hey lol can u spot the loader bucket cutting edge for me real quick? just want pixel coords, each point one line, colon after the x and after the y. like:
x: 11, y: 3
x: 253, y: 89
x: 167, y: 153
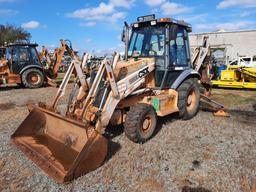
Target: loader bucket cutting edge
x: 63, y: 148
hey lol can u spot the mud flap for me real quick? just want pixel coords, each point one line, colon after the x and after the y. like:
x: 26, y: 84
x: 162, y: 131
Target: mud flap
x: 63, y: 148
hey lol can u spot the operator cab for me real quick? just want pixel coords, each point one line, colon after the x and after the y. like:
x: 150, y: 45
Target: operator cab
x: 164, y: 39
x: 21, y: 55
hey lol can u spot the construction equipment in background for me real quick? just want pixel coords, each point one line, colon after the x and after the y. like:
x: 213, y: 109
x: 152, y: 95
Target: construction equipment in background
x: 155, y: 79
x: 45, y: 57
x: 93, y: 63
x: 201, y: 62
x: 54, y: 63
x: 66, y: 60
x: 240, y: 73
x: 20, y: 64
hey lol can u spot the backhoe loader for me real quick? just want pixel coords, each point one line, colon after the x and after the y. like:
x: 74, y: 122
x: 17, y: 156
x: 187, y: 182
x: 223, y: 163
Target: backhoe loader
x: 154, y: 80
x: 21, y: 64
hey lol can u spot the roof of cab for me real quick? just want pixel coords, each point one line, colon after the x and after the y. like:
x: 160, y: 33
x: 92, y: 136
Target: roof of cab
x: 21, y: 44
x: 149, y: 18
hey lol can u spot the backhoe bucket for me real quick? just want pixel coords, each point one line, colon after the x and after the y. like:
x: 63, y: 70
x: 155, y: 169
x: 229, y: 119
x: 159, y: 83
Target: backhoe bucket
x: 64, y: 148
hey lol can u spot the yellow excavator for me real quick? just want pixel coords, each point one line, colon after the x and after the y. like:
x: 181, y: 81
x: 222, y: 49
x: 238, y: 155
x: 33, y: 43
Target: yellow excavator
x: 154, y: 80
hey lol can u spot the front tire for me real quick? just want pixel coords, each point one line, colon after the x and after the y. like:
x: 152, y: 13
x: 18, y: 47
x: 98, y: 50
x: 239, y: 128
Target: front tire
x: 140, y: 123
x: 32, y: 78
x: 188, y: 99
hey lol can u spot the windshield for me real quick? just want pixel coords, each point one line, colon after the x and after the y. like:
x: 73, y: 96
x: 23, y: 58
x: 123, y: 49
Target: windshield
x: 147, y: 41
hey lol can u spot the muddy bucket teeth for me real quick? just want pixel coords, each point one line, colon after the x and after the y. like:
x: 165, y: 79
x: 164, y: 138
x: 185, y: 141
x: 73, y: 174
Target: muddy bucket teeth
x: 63, y: 148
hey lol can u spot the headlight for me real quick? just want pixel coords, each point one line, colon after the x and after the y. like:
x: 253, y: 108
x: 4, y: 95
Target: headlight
x: 153, y: 22
x: 136, y: 25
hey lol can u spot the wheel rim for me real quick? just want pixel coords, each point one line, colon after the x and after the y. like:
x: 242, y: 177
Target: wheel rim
x: 191, y: 101
x: 33, y: 78
x: 146, y: 124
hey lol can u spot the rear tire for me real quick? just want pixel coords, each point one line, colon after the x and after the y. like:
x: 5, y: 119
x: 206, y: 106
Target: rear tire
x: 32, y: 78
x: 189, y: 97
x: 140, y: 123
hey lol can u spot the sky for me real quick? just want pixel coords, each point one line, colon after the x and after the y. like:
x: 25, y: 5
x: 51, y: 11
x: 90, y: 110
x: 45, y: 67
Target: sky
x: 96, y: 26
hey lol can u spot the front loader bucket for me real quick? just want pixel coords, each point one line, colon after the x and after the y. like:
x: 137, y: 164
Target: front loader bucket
x: 64, y: 148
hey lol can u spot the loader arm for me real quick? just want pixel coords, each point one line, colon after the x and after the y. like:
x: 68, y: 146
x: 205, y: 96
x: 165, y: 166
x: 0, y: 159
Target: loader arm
x: 120, y: 90
x: 75, y: 65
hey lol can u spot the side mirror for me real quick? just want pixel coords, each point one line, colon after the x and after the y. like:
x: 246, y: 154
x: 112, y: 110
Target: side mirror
x: 124, y: 33
x: 125, y: 38
x: 189, y: 29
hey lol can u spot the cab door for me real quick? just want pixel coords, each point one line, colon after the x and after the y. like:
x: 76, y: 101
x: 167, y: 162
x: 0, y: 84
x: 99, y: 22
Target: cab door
x: 179, y: 49
x: 177, y: 55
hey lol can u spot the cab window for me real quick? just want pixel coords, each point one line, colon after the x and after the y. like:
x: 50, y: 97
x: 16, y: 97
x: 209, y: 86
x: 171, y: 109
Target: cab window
x: 179, y: 49
x: 23, y: 55
x: 147, y: 42
x: 34, y: 56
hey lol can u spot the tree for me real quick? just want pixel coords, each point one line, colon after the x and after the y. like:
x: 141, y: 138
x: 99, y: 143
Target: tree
x: 10, y: 34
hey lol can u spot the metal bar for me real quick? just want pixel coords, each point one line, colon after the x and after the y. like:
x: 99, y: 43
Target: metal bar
x: 211, y: 101
x: 116, y: 57
x: 93, y: 88
x: 85, y: 59
x: 111, y: 79
x: 62, y: 88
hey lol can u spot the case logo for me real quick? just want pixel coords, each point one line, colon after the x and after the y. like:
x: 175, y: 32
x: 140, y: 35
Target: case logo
x: 143, y: 72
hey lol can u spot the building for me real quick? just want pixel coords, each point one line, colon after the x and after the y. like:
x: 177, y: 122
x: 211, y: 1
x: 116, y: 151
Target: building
x: 227, y: 46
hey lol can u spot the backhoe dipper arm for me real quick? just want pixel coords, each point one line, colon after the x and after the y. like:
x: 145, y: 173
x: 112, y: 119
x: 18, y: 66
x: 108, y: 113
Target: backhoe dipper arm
x: 58, y: 54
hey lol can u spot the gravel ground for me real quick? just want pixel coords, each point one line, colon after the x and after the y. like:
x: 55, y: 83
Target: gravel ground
x: 204, y: 154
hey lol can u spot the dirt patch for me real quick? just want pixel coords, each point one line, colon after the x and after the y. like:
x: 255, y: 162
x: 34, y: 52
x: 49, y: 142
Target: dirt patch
x: 254, y: 107
x: 204, y: 154
x: 231, y: 98
x: 245, y: 117
x: 2, y: 164
x: 196, y: 189
x: 151, y: 185
x: 6, y: 106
